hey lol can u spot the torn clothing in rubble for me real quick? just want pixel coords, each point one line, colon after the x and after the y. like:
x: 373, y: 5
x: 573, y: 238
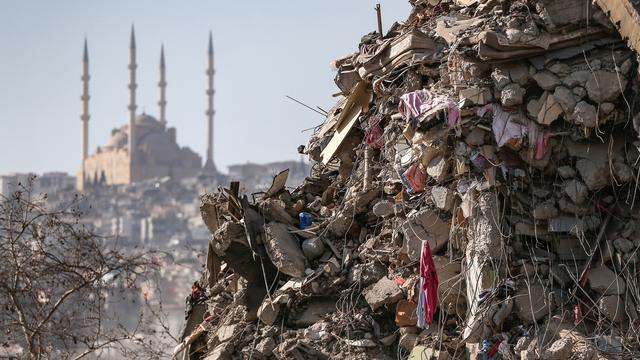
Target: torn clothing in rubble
x: 428, y: 295
x: 423, y: 105
x: 373, y: 133
x: 512, y: 127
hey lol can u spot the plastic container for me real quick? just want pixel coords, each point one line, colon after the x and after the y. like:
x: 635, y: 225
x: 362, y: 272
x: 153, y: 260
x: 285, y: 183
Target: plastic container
x: 305, y: 220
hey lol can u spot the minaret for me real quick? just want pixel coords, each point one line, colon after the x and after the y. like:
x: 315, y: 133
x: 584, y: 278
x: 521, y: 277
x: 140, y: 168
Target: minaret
x: 132, y: 104
x: 163, y: 87
x: 209, y: 165
x: 85, y: 114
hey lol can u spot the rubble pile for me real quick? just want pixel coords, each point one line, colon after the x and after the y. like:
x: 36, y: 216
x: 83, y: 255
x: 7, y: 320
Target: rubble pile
x: 474, y: 196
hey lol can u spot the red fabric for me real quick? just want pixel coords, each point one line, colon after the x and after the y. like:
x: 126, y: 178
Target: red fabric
x: 429, y: 283
x: 493, y: 350
x: 577, y: 314
x: 416, y: 177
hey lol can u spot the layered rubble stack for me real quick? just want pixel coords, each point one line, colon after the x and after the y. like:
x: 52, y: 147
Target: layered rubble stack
x: 474, y: 196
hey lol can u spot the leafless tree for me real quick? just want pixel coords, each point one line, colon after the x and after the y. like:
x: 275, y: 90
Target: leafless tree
x: 57, y: 280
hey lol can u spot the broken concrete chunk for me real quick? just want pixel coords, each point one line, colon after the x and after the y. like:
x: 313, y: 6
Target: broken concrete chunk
x: 367, y: 274
x: 550, y: 109
x: 284, y: 250
x: 313, y: 248
x: 581, y: 76
x: 587, y: 223
x: 560, y: 275
x: 451, y: 291
x: 365, y: 343
x: 605, y: 281
x: 227, y: 233
x: 312, y: 310
x: 569, y: 248
x: 227, y: 332
x: 275, y: 210
x: 566, y: 172
x: 477, y: 96
x: 500, y: 78
x: 585, y: 114
x: 579, y: 91
x: 383, y: 208
x: 623, y: 245
x: 565, y: 98
x: 569, y: 82
x: 560, y: 69
x: 318, y: 331
x: 559, y: 350
x: 546, y: 80
x: 266, y: 346
x: 221, y: 352
x: 595, y: 175
x: 512, y: 95
x: 364, y: 198
x: 438, y: 168
x: 424, y: 225
x: 528, y: 355
x: 609, y: 344
x: 385, y: 291
x: 605, y: 86
x: 342, y: 220
x: 533, y: 108
x: 607, y: 108
x: 612, y: 307
x: 475, y: 137
x: 533, y: 303
x: 623, y: 172
x: 545, y: 210
x: 522, y: 344
x: 504, y: 310
x: 408, y: 341
x: 268, y: 312
x: 425, y: 353
x: 526, y: 229
x: 576, y: 191
x: 519, y: 73
x: 442, y: 197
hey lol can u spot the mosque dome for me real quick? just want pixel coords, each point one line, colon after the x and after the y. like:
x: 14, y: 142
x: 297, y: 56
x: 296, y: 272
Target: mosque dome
x: 118, y: 139
x: 148, y: 122
x: 159, y: 145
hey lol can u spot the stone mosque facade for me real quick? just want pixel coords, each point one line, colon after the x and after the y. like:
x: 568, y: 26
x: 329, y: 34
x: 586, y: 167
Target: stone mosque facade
x: 155, y: 150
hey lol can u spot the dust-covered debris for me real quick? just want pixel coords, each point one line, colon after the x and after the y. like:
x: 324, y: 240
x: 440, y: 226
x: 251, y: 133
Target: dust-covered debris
x: 474, y: 196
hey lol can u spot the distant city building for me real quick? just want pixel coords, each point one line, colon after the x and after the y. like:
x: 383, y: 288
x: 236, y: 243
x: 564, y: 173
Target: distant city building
x: 145, y: 148
x: 47, y: 183
x: 10, y: 183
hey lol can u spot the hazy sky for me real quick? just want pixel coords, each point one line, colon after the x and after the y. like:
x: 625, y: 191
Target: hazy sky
x: 264, y: 50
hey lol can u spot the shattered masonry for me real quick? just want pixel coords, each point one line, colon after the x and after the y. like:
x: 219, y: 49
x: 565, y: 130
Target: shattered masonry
x: 474, y: 196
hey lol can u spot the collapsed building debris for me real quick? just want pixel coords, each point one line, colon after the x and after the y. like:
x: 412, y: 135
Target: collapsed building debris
x: 474, y: 196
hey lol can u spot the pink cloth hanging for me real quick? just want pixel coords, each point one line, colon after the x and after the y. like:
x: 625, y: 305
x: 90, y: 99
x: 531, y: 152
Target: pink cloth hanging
x: 429, y: 282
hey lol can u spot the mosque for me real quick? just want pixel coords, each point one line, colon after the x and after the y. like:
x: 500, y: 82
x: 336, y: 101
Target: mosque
x: 145, y: 147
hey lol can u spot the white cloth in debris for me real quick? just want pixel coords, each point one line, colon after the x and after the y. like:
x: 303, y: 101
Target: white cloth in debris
x: 510, y: 125
x: 422, y: 322
x: 420, y: 309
